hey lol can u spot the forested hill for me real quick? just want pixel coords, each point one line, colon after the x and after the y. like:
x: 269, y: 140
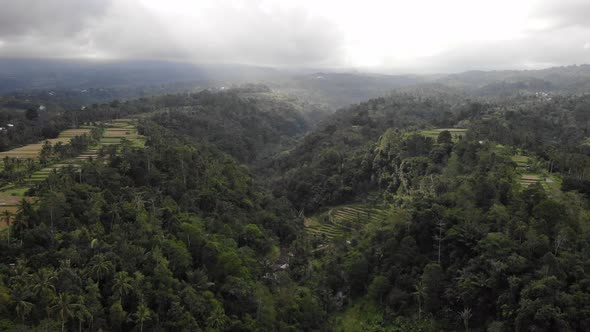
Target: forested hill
x: 411, y: 212
x: 417, y: 229
x: 329, y: 165
x: 172, y: 236
x: 333, y: 163
x: 249, y: 123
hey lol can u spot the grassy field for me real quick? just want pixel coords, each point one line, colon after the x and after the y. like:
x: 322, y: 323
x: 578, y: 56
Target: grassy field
x: 342, y: 220
x: 455, y: 133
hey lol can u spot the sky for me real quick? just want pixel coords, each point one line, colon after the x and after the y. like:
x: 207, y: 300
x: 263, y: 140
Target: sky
x: 392, y: 36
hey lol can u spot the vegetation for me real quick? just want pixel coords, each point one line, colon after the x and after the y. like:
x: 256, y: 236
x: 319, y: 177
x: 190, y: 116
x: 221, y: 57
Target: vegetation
x: 231, y: 211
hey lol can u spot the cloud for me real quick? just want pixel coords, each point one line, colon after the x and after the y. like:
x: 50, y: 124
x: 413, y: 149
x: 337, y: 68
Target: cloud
x: 392, y: 35
x: 223, y: 33
x: 48, y: 19
x: 555, y: 34
x: 565, y: 46
x: 562, y: 13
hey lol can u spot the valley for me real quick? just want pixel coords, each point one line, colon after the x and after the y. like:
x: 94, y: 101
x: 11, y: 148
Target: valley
x: 385, y: 215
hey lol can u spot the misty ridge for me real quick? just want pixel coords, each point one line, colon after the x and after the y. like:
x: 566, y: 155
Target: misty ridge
x: 334, y: 88
x: 294, y: 165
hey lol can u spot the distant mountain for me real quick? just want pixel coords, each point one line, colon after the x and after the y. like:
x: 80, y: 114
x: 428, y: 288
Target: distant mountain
x: 341, y: 89
x: 128, y: 79
x: 568, y: 80
x: 29, y: 74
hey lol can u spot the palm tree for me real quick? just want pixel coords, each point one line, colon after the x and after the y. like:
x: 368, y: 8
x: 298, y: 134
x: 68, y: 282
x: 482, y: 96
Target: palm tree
x: 62, y: 304
x: 82, y: 313
x: 142, y: 314
x: 101, y: 268
x: 125, y: 167
x: 465, y: 316
x: 217, y: 320
x: 122, y: 284
x: 24, y: 214
x: 43, y: 283
x: 22, y: 277
x: 23, y: 309
x: 7, y: 216
x: 138, y: 201
x: 420, y: 293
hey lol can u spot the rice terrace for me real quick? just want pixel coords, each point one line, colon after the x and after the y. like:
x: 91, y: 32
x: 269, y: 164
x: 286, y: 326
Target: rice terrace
x: 342, y: 220
x: 111, y: 133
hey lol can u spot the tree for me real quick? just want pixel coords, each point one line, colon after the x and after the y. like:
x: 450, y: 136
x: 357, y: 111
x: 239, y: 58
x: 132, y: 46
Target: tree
x: 117, y: 314
x: 378, y: 288
x: 53, y: 203
x: 7, y: 217
x: 31, y: 114
x: 444, y: 137
x: 43, y: 283
x: 465, y: 315
x: 23, y: 309
x: 46, y: 152
x: 122, y: 284
x: 142, y: 315
x: 25, y: 215
x: 217, y: 319
x: 101, y: 267
x: 63, y: 306
x: 420, y: 293
x: 91, y: 301
x: 81, y: 312
x: 432, y: 279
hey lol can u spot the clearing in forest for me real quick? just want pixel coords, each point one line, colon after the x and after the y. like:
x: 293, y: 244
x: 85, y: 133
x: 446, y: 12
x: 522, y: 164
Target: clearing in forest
x: 456, y: 133
x: 342, y: 220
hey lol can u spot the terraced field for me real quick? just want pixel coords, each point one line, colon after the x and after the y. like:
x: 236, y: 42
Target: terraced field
x: 531, y: 173
x: 115, y: 132
x: 31, y: 151
x: 120, y: 129
x: 342, y: 220
x: 529, y: 179
x: 456, y: 133
x: 522, y: 162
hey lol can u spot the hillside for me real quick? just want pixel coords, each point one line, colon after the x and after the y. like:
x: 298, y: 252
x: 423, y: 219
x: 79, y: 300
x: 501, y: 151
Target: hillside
x: 234, y: 210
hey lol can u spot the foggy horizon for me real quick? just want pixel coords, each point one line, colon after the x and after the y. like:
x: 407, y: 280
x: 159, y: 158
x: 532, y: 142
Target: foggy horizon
x: 400, y: 37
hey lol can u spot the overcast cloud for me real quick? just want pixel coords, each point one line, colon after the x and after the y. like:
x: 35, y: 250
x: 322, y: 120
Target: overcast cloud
x: 393, y: 36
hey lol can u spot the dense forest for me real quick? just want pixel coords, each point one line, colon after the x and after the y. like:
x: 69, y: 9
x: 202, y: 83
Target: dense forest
x: 205, y: 228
